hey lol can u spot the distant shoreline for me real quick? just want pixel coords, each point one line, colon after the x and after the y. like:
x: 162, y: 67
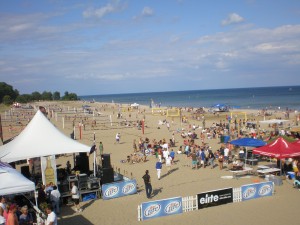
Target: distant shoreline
x: 270, y: 98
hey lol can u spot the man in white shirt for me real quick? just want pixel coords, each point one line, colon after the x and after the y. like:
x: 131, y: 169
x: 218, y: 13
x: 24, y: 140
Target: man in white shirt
x: 168, y: 163
x: 55, y: 199
x: 118, y: 136
x: 51, y: 218
x: 226, y: 155
x: 75, y: 197
x: 166, y: 153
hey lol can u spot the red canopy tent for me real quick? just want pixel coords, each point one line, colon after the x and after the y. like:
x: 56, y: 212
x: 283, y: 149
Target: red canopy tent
x: 297, y: 143
x: 279, y: 149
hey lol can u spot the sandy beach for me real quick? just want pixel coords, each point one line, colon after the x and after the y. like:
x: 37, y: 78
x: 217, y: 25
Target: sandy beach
x: 281, y: 208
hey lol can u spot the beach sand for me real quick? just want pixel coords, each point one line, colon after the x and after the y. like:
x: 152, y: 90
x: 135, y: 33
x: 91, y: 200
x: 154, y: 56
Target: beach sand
x: 281, y: 208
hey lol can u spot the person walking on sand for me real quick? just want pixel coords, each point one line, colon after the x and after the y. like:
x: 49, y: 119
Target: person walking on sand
x: 147, y: 181
x: 158, y: 167
x: 118, y: 136
x: 168, y: 163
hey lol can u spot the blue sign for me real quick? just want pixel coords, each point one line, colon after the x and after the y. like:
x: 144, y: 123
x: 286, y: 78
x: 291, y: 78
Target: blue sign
x: 160, y: 208
x: 118, y: 189
x: 257, y: 190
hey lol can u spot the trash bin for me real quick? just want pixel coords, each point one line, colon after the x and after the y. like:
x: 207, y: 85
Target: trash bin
x: 226, y: 139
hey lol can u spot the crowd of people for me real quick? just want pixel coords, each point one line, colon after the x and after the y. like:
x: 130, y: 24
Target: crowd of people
x: 14, y: 213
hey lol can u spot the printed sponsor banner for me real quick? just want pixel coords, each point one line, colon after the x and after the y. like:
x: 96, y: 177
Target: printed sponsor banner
x: 214, y: 198
x: 118, y: 189
x: 160, y: 208
x: 48, y: 167
x: 257, y: 190
x: 1, y: 131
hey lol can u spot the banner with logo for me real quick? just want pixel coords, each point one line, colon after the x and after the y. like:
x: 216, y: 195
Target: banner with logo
x: 1, y: 132
x: 160, y: 208
x: 118, y: 189
x: 48, y: 167
x: 214, y: 198
x: 257, y: 190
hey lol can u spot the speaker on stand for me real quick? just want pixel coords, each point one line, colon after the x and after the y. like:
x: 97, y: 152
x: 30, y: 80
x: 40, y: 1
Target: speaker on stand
x: 82, y: 163
x: 25, y: 171
x: 105, y: 158
x: 107, y: 175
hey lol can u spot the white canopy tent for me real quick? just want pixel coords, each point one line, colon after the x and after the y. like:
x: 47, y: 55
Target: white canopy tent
x: 13, y: 182
x: 39, y: 138
x: 135, y: 105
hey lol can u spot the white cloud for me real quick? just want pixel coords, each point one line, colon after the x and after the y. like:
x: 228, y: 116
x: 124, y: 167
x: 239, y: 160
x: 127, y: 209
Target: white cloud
x: 147, y: 11
x: 32, y: 48
x: 232, y: 19
x: 103, y: 11
x: 100, y: 12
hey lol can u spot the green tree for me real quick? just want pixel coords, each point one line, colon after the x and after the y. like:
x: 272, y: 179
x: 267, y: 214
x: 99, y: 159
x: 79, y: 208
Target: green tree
x: 7, y: 100
x: 47, y: 96
x: 70, y: 97
x: 36, y: 96
x: 6, y: 89
x: 28, y: 97
x: 56, y: 96
x: 21, y: 99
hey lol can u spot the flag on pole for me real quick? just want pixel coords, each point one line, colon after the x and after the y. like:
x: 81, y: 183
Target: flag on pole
x: 93, y: 148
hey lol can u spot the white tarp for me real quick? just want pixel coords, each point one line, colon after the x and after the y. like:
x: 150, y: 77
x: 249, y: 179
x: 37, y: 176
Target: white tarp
x: 13, y: 182
x: 135, y: 105
x: 273, y: 121
x: 39, y: 138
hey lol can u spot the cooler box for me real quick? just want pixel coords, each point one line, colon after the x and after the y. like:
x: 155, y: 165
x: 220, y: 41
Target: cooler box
x: 89, y: 196
x: 277, y: 180
x: 291, y: 175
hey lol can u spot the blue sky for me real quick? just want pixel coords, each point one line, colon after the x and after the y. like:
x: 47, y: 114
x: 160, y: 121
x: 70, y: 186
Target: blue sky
x: 128, y: 46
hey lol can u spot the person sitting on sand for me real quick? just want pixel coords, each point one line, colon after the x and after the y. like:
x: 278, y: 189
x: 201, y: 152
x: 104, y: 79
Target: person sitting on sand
x: 183, y: 134
x: 237, y: 165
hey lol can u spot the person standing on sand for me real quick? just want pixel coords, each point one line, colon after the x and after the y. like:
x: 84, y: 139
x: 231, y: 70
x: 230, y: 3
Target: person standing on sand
x: 221, y: 159
x: 101, y: 148
x: 211, y: 158
x: 134, y: 146
x: 75, y: 197
x: 148, y: 186
x: 193, y: 156
x: 168, y: 163
x: 158, y: 167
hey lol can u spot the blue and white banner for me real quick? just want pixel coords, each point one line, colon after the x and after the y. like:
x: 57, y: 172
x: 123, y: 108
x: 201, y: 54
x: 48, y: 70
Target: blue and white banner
x: 160, y: 208
x: 258, y: 190
x: 118, y: 189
